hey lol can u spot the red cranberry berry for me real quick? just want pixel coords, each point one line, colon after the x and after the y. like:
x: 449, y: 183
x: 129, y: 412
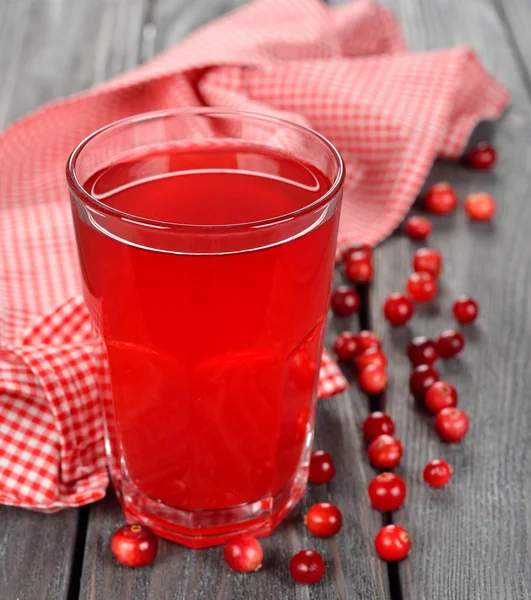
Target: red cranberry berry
x: 482, y: 157
x: 373, y: 380
x: 392, y: 543
x: 134, y: 545
x: 421, y: 379
x: 345, y: 301
x: 428, y: 260
x: 440, y: 395
x: 323, y: 520
x: 358, y: 252
x: 441, y: 199
x: 418, y: 228
x: 322, y: 468
x: 398, y: 309
x: 451, y: 424
x: 243, y: 554
x: 377, y: 423
x: 387, y: 492
x: 465, y: 310
x: 359, y: 271
x: 307, y: 567
x: 480, y: 206
x: 422, y: 351
x: 368, y: 339
x: 421, y: 286
x: 385, y: 452
x: 372, y: 356
x: 450, y: 343
x: 437, y: 473
x: 346, y: 346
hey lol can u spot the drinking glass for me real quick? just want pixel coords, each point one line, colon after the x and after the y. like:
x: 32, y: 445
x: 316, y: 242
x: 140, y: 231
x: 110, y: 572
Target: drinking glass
x: 206, y: 240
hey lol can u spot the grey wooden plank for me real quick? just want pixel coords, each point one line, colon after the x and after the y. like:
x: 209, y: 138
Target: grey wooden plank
x: 178, y: 573
x: 174, y: 19
x: 516, y: 15
x: 53, y: 48
x: 470, y: 540
x: 36, y: 553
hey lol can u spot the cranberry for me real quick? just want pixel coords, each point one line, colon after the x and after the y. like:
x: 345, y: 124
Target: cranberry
x: 437, y: 473
x: 422, y: 351
x: 323, y: 520
x: 385, y: 452
x: 440, y: 395
x: 482, y: 157
x: 358, y: 252
x: 134, y: 545
x: 373, y: 380
x: 428, y: 260
x: 451, y: 424
x: 421, y: 379
x: 465, y: 310
x: 307, y: 566
x: 422, y: 286
x: 377, y: 423
x: 387, y: 492
x: 359, y: 271
x: 480, y: 206
x: 398, y: 309
x: 345, y: 301
x: 450, y: 343
x: 372, y: 356
x: 392, y: 543
x: 418, y: 228
x: 368, y: 339
x: 322, y: 468
x: 243, y: 554
x: 441, y: 199
x: 346, y: 346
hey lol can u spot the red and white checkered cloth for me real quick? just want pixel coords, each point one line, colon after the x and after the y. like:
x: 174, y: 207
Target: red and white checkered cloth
x: 344, y: 71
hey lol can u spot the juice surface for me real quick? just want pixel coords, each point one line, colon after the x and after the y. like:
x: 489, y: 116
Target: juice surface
x: 214, y: 357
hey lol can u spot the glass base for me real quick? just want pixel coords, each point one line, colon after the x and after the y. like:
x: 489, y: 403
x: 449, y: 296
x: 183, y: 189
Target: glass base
x: 204, y: 528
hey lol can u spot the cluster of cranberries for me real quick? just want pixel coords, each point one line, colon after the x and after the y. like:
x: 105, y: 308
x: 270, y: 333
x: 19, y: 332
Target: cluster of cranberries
x: 363, y: 350
x: 136, y: 545
x: 244, y: 553
x: 387, y: 491
x: 441, y: 199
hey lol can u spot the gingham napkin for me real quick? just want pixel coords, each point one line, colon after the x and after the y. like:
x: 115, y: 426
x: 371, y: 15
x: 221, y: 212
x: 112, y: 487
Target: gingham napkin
x: 344, y: 71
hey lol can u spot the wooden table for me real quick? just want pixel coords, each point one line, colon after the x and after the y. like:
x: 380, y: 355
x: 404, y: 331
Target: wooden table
x: 471, y: 541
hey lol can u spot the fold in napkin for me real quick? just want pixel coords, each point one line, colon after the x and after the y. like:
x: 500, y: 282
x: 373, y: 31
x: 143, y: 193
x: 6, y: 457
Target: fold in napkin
x: 344, y: 71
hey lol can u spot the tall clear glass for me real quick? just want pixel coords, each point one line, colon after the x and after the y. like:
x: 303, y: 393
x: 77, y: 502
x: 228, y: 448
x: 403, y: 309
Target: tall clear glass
x: 206, y: 240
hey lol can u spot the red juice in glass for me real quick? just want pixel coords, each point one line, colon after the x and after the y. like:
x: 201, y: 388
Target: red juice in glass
x: 207, y: 244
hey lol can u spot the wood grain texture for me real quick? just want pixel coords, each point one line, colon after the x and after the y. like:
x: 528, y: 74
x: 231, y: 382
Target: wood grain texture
x: 470, y: 540
x: 175, y: 19
x: 35, y: 553
x: 516, y: 16
x: 53, y: 48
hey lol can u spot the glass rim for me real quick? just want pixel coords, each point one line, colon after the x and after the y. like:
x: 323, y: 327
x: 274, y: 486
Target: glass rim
x: 77, y: 188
